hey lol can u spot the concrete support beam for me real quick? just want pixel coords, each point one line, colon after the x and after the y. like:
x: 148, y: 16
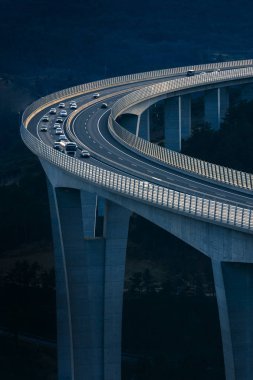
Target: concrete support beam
x: 212, y: 108
x: 64, y: 332
x: 185, y: 116
x: 216, y: 106
x: 143, y: 125
x: 115, y: 234
x: 90, y: 278
x: 224, y: 102
x: 89, y: 210
x: 234, y: 290
x: 89, y: 284
x: 172, y: 120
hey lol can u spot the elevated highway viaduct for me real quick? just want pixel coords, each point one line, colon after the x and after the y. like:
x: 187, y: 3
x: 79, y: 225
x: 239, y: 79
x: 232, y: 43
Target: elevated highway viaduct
x: 208, y: 206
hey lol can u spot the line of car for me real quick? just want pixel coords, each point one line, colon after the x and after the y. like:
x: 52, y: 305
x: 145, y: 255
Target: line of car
x: 62, y: 144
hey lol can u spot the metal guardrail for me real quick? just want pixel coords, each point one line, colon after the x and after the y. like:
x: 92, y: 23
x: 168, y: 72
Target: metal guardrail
x: 187, y: 204
x: 180, y: 161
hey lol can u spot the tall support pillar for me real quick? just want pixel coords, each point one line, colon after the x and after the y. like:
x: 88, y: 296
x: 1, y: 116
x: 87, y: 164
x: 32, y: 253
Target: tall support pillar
x: 212, y: 108
x: 89, y: 208
x: 186, y: 116
x: 216, y: 106
x: 143, y: 125
x: 224, y: 102
x: 116, y: 233
x: 234, y: 291
x: 64, y: 332
x: 172, y: 120
x: 89, y: 284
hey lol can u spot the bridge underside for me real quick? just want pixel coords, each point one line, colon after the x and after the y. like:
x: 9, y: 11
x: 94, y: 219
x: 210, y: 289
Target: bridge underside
x: 90, y: 277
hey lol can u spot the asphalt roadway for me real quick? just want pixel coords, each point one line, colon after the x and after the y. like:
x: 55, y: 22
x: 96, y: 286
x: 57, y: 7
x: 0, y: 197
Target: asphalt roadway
x: 89, y: 128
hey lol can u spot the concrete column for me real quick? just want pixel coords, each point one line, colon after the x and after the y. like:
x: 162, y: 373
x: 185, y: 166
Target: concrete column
x: 143, y: 125
x: 89, y: 284
x: 89, y: 208
x: 212, y: 108
x: 186, y: 116
x: 224, y: 102
x: 234, y: 290
x: 64, y: 331
x: 216, y: 106
x: 115, y: 233
x: 172, y: 120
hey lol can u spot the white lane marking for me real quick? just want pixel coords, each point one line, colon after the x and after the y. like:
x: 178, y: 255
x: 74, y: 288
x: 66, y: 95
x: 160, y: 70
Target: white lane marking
x: 176, y: 175
x: 184, y: 188
x: 157, y: 179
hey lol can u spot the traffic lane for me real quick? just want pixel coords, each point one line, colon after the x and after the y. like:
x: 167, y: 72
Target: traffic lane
x: 109, y: 91
x: 217, y: 188
x: 92, y: 140
x: 82, y: 99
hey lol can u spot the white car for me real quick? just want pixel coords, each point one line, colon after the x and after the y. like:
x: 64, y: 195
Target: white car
x: 45, y: 118
x: 43, y: 129
x: 63, y: 113
x: 59, y: 120
x: 72, y: 102
x: 61, y: 105
x: 190, y: 73
x: 52, y: 111
x: 73, y: 106
x: 85, y: 153
x: 59, y: 131
x: 96, y: 95
x: 57, y: 125
x: 63, y: 138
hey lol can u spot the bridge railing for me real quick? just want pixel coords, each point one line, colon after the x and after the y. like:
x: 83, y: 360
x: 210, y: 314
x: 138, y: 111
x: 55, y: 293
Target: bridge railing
x: 97, y: 85
x: 192, y: 165
x: 187, y: 204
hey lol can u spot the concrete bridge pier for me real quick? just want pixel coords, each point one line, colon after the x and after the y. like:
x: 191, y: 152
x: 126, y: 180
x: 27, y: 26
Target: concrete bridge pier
x: 224, y: 102
x: 186, y: 116
x: 234, y: 291
x: 89, y: 285
x: 216, y: 106
x: 177, y: 119
x: 143, y: 125
x: 172, y: 121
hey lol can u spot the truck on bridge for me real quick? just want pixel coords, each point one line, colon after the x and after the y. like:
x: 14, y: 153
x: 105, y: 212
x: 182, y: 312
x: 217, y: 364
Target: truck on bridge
x: 67, y: 147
